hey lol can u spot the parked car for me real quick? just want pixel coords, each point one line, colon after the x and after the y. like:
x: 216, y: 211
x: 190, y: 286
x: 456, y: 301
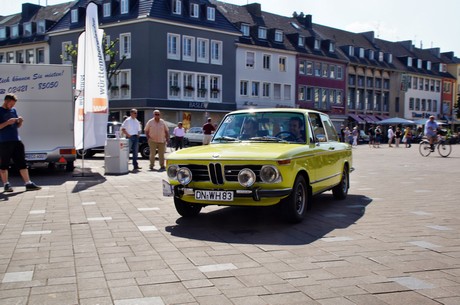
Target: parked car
x: 112, y: 128
x: 276, y: 164
x: 194, y: 136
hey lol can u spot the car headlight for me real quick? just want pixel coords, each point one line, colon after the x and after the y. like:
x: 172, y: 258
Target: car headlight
x: 184, y: 175
x: 246, y: 177
x: 172, y: 172
x: 269, y: 174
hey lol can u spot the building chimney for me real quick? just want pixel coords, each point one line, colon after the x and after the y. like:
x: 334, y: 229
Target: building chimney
x: 254, y: 9
x: 29, y: 10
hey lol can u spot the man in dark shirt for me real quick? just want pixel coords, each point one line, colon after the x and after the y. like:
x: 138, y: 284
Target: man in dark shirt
x: 11, y: 146
x: 208, y: 129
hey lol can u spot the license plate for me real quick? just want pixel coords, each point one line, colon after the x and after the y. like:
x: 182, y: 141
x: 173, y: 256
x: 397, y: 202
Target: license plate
x: 214, y: 195
x: 31, y: 157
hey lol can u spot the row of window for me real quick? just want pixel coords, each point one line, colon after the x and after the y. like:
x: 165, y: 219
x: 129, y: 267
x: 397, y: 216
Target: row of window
x: 322, y: 97
x: 320, y: 69
x: 27, y: 29
x: 107, y: 10
x: 426, y: 84
x: 369, y: 82
x: 194, y: 86
x: 266, y: 62
x: 423, y: 104
x: 121, y: 85
x: 189, y: 48
x: 28, y: 56
x: 360, y: 99
x: 267, y: 90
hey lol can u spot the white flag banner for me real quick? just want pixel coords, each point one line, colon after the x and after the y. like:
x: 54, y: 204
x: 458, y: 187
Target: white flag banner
x: 91, y: 107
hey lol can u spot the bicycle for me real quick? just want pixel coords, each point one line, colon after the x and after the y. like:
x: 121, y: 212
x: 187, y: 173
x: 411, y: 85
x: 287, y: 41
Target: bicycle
x: 442, y: 145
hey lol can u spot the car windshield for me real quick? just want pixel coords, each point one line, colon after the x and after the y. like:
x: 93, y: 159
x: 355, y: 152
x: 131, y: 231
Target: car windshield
x: 262, y: 127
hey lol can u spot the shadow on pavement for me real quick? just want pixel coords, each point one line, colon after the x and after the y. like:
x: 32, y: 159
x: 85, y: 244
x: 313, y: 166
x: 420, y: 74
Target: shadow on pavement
x: 263, y: 225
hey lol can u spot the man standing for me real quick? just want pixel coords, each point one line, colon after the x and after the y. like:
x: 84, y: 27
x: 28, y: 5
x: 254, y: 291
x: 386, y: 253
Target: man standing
x: 11, y: 146
x: 390, y: 135
x: 131, y: 128
x: 431, y: 131
x: 208, y: 129
x: 157, y: 135
x: 179, y: 133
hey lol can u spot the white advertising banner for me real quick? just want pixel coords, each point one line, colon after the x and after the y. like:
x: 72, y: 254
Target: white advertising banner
x: 91, y: 106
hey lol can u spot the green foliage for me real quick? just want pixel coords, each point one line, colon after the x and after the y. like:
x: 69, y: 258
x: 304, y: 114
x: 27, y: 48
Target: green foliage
x: 110, y: 52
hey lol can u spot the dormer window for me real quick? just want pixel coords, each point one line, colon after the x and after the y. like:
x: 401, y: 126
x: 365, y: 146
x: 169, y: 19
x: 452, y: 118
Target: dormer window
x: 41, y: 27
x: 301, y: 41
x: 317, y: 44
x: 15, y: 31
x: 211, y: 13
x: 331, y: 47
x: 419, y: 63
x: 177, y: 7
x: 442, y: 67
x: 370, y: 54
x: 2, y: 33
x: 74, y: 15
x: 361, y: 52
x: 124, y: 6
x: 351, y: 50
x: 380, y: 56
x: 409, y: 61
x: 389, y: 58
x: 245, y: 29
x: 27, y: 31
x: 279, y: 36
x: 107, y: 9
x: 194, y: 10
x: 428, y: 65
x: 262, y: 34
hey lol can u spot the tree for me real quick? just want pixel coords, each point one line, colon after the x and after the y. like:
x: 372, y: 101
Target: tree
x: 110, y: 52
x: 456, y: 109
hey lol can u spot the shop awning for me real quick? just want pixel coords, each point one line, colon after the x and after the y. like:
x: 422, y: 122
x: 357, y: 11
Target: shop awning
x: 367, y: 119
x: 373, y: 117
x: 357, y: 118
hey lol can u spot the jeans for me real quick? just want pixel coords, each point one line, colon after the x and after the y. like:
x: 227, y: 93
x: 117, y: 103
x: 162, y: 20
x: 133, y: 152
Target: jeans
x: 134, y: 148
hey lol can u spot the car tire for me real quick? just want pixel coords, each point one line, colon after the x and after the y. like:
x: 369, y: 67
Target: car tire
x: 145, y: 151
x: 186, y: 209
x: 340, y: 191
x: 294, y: 207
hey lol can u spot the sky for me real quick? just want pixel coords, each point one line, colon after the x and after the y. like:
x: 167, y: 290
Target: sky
x: 427, y: 23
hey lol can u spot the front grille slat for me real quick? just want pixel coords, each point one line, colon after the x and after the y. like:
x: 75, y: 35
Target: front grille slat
x: 218, y: 174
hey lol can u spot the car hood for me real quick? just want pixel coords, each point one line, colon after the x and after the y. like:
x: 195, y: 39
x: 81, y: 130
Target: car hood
x: 239, y: 151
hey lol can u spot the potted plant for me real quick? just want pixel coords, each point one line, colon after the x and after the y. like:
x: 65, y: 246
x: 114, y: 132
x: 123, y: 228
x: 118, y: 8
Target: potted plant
x: 174, y: 88
x: 114, y: 88
x: 215, y: 90
x: 202, y: 90
x: 125, y: 86
x: 189, y: 88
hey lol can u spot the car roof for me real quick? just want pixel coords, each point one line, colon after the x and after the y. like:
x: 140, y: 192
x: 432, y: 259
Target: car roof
x: 293, y: 110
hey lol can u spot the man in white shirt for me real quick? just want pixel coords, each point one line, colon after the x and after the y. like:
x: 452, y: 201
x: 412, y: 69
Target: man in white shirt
x: 131, y: 128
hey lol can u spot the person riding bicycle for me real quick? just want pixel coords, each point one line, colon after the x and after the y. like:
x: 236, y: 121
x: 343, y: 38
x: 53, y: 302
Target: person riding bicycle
x: 431, y: 131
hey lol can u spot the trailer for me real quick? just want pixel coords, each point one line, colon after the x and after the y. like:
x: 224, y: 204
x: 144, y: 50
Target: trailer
x: 45, y: 101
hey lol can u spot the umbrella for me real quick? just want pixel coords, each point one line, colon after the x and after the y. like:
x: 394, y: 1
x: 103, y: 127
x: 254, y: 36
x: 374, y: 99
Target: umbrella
x: 396, y: 121
x: 423, y: 121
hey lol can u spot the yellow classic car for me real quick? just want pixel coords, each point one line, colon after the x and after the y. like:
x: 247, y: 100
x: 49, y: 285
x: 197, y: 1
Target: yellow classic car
x: 259, y: 158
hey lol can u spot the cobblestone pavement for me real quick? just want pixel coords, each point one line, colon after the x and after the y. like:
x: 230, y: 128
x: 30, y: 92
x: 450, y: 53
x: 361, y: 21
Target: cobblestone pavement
x: 101, y: 239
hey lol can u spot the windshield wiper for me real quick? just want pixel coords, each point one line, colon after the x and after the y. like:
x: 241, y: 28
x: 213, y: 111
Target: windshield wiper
x: 267, y: 139
x: 225, y: 138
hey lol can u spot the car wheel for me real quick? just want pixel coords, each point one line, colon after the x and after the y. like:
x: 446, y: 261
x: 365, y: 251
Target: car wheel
x: 340, y: 191
x: 87, y: 153
x: 186, y: 209
x: 294, y: 206
x: 145, y: 151
x: 69, y: 167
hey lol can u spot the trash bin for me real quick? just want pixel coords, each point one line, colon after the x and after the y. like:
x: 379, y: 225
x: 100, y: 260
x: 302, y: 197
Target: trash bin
x: 116, y: 156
